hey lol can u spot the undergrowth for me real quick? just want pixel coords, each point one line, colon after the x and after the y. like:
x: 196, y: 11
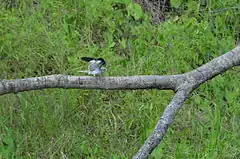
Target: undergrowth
x: 48, y: 37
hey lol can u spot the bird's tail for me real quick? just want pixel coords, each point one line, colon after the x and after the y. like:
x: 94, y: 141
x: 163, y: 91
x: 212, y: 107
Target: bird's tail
x: 83, y: 71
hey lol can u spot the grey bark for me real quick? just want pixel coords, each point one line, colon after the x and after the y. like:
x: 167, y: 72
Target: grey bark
x: 181, y: 84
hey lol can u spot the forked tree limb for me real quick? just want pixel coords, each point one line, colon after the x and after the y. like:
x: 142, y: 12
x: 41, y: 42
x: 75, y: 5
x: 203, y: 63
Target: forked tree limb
x: 181, y: 84
x: 192, y: 80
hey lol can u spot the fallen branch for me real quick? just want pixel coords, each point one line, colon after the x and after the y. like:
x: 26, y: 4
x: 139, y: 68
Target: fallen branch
x: 192, y: 80
x: 90, y: 82
x: 182, y: 85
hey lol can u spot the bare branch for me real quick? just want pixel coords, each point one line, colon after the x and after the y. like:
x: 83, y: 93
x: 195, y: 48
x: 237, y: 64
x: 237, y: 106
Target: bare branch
x: 172, y: 82
x: 182, y: 84
x: 90, y: 82
x: 192, y: 80
x: 215, y: 67
x: 162, y: 125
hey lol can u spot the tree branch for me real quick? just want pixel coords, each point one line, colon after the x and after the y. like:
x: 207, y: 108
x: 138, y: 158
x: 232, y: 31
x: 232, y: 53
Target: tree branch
x: 162, y: 125
x: 192, y: 80
x: 182, y: 84
x: 89, y: 82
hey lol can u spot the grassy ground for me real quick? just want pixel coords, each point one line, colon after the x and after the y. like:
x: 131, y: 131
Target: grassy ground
x: 49, y: 38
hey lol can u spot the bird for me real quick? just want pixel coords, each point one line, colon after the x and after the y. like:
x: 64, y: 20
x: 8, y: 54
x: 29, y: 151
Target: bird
x: 95, y: 66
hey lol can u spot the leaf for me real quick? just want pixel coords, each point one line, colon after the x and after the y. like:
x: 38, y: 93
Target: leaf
x: 134, y: 10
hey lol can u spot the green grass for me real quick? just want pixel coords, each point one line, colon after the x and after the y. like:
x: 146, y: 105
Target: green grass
x: 49, y: 38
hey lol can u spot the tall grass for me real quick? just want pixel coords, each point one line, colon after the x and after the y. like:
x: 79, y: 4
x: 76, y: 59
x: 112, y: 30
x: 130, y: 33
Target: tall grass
x: 49, y: 37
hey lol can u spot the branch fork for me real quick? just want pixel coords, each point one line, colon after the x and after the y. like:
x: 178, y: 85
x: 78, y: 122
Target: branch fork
x: 181, y: 84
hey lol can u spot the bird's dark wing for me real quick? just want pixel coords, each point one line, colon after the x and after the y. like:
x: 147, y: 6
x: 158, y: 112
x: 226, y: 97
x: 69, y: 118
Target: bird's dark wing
x: 87, y: 59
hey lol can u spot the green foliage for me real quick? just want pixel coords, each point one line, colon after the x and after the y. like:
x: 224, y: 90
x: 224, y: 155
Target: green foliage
x: 49, y: 37
x: 6, y: 144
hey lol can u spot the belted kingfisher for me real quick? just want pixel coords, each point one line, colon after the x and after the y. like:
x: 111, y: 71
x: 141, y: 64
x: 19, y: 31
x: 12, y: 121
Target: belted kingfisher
x: 95, y: 66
